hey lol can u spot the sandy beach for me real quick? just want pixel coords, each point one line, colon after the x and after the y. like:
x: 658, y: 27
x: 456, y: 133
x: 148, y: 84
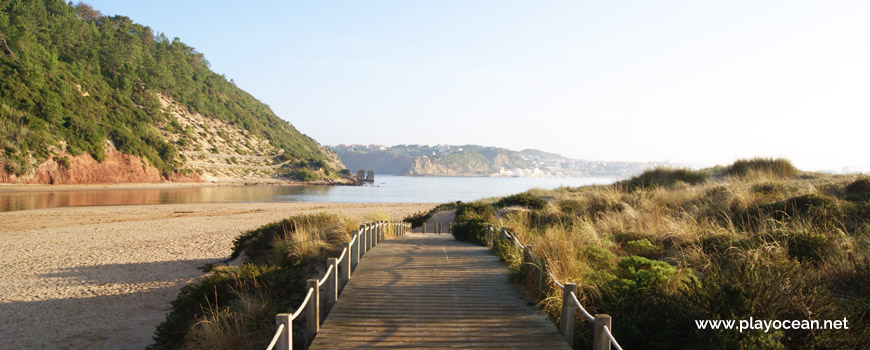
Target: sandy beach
x: 103, y: 277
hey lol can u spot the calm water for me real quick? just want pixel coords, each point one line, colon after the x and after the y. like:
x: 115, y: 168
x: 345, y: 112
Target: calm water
x: 386, y: 189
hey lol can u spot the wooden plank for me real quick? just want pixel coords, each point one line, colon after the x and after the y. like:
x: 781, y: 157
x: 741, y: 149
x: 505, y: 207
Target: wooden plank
x: 432, y: 292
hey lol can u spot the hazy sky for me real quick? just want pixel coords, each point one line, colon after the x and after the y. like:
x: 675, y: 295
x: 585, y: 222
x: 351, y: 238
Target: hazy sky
x: 687, y: 81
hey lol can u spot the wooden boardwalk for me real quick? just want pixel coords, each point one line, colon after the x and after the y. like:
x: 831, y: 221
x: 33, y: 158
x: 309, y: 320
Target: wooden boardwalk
x: 432, y: 292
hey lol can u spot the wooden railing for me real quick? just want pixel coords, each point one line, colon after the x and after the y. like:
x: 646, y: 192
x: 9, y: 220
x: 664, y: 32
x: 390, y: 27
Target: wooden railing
x: 602, y: 338
x: 338, y: 273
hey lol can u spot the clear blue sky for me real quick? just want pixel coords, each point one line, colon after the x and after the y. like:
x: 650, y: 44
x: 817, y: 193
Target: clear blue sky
x: 702, y: 82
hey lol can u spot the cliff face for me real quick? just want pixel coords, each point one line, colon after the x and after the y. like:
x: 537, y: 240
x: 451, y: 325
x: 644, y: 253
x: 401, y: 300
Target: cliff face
x: 65, y: 169
x: 450, y: 166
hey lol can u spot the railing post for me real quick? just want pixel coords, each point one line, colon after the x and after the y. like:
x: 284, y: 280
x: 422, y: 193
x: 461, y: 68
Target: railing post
x: 373, y: 238
x: 346, y: 265
x: 362, y: 240
x: 568, y: 312
x: 285, y: 340
x: 600, y: 341
x: 450, y: 228
x: 332, y: 282
x: 357, y: 245
x: 369, y: 229
x: 365, y: 235
x: 312, y: 314
x: 424, y: 228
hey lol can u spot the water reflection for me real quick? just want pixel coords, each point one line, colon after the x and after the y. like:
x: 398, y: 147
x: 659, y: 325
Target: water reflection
x: 387, y: 189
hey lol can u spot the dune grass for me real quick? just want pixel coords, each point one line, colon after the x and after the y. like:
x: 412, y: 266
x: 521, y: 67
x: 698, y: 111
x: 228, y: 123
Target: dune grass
x: 656, y: 252
x: 235, y: 307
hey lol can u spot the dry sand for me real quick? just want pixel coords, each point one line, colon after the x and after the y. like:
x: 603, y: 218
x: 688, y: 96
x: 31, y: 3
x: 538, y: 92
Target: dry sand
x: 103, y: 277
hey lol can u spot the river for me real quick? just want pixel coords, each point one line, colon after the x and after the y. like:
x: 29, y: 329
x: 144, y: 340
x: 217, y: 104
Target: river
x: 385, y: 189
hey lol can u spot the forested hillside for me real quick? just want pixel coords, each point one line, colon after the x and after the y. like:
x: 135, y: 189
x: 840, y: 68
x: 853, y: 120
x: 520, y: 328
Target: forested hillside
x: 74, y: 82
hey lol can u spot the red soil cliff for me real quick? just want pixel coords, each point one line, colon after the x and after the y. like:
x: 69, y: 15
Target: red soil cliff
x: 84, y: 169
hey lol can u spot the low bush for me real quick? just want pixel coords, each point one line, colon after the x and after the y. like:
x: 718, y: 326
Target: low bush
x: 525, y: 199
x: 472, y: 220
x: 63, y: 162
x: 858, y: 190
x: 663, y: 177
x: 303, y: 174
x: 642, y: 247
x: 774, y: 167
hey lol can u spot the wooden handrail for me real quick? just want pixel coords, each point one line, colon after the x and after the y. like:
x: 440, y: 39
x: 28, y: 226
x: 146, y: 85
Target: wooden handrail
x: 339, y: 272
x: 602, y: 337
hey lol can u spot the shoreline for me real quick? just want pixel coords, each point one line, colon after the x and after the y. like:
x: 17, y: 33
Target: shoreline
x: 168, y: 185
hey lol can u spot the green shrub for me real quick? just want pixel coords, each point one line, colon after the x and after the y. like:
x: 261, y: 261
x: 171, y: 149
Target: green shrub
x: 663, y: 177
x: 806, y: 246
x: 472, y: 220
x: 303, y: 174
x: 778, y: 167
x: 525, y: 199
x: 642, y: 247
x: 643, y: 272
x: 63, y: 162
x: 597, y: 257
x: 471, y: 230
x: 768, y: 188
x: 625, y: 237
x: 858, y: 190
x: 475, y: 209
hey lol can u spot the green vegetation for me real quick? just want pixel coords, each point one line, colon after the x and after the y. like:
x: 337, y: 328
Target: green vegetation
x: 656, y: 252
x: 417, y: 219
x: 235, y: 307
x: 664, y: 177
x: 526, y: 200
x: 774, y: 167
x: 77, y: 78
